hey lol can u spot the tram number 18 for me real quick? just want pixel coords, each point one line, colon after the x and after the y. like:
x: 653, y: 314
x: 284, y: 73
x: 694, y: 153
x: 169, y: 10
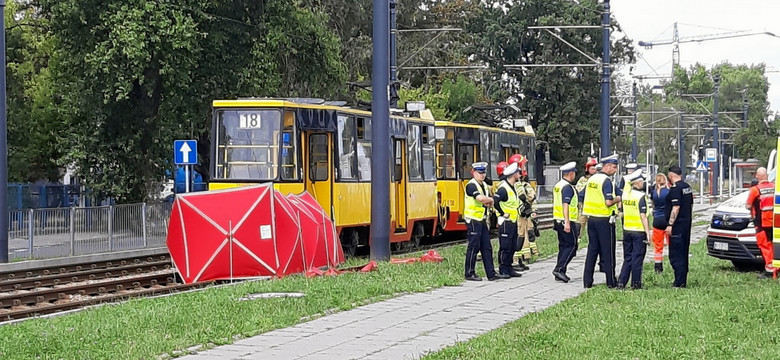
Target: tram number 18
x: 250, y: 120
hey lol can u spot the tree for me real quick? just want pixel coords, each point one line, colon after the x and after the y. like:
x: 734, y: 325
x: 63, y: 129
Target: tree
x: 136, y: 75
x: 563, y: 103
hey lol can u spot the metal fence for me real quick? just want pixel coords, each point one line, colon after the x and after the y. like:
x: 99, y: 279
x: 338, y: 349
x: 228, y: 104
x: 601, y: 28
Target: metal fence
x: 59, y: 232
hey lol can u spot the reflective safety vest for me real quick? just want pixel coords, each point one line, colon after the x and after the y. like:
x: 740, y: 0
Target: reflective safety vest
x: 558, y: 202
x: 512, y: 204
x: 595, y: 203
x: 766, y: 202
x: 474, y: 209
x: 632, y: 218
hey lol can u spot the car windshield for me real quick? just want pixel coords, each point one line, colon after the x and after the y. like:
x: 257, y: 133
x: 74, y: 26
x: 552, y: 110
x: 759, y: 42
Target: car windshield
x: 248, y: 144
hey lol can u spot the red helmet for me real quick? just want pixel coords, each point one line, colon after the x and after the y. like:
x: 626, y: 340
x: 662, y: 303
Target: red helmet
x: 500, y: 167
x: 519, y: 159
x: 591, y: 162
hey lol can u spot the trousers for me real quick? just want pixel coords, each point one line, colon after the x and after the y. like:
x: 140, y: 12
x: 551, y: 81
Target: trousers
x: 634, y: 250
x: 567, y: 245
x: 479, y: 242
x: 600, y: 245
x: 507, y: 242
x: 679, y: 245
x: 764, y: 242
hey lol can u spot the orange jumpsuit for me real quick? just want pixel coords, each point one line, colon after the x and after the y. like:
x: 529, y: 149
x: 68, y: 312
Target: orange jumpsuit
x: 761, y: 200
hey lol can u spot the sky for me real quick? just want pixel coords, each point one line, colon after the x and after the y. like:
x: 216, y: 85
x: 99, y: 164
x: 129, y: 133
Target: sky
x: 650, y: 20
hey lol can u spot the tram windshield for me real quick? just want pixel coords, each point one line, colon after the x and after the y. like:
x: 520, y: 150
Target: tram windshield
x: 248, y: 144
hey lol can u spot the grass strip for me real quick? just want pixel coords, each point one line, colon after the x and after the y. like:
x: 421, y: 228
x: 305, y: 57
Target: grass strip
x: 146, y: 328
x: 723, y: 314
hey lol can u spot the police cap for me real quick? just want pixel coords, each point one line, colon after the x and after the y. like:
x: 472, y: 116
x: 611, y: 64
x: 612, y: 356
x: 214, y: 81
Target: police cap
x: 570, y: 166
x: 511, y: 169
x: 612, y: 159
x: 480, y: 167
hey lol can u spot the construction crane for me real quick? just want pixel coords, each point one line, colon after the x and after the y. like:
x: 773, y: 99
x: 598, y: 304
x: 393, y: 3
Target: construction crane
x: 677, y: 40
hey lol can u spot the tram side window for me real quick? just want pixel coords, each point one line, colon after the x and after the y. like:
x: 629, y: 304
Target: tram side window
x: 364, y: 149
x: 445, y: 154
x: 466, y: 153
x: 531, y: 159
x: 413, y: 145
x: 318, y: 157
x: 290, y: 168
x: 495, y: 156
x: 347, y: 146
x: 484, y: 150
x: 248, y: 144
x: 428, y: 154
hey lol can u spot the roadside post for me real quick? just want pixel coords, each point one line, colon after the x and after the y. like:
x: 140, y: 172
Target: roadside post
x: 184, y: 154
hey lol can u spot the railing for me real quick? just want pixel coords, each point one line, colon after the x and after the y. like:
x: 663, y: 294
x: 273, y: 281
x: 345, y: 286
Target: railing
x: 60, y: 232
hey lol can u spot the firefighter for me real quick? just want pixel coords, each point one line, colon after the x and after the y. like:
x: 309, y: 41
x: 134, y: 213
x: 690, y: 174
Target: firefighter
x: 507, y: 205
x: 521, y: 250
x: 601, y: 208
x: 565, y: 212
x: 477, y: 202
x: 590, y: 169
x: 532, y: 231
x: 679, y: 215
x: 636, y: 231
x: 760, y: 202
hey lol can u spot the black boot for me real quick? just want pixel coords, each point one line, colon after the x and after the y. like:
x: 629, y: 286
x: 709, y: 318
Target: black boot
x: 659, y: 268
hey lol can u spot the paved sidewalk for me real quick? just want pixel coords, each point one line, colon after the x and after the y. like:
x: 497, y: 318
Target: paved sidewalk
x: 409, y: 326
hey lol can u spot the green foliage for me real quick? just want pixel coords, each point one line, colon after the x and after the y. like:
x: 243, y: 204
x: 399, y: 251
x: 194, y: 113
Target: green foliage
x: 136, y: 75
x: 448, y: 101
x: 563, y: 103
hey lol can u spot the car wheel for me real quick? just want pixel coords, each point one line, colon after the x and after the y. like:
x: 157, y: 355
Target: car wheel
x: 746, y: 266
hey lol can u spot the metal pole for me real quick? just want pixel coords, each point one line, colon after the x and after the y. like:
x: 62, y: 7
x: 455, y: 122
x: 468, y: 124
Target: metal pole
x: 716, y: 139
x: 3, y: 147
x: 380, y: 130
x: 605, y: 78
x: 633, y: 143
x: 681, y: 142
x: 393, y: 54
x: 186, y: 178
x: 701, y: 187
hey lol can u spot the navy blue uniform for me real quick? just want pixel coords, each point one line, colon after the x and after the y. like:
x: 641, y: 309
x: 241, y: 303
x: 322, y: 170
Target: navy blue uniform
x: 634, y: 250
x: 601, y: 244
x: 567, y: 242
x: 479, y: 242
x: 680, y: 195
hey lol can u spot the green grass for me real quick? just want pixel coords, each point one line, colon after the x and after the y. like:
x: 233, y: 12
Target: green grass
x: 146, y: 328
x: 723, y: 314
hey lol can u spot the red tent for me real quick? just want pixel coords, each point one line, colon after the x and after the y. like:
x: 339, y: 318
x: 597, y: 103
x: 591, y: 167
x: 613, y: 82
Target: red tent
x: 247, y: 232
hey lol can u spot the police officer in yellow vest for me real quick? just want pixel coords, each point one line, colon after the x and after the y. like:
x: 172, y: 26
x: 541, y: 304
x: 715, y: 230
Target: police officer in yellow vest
x: 507, y: 205
x: 636, y: 232
x: 600, y: 206
x: 477, y: 202
x: 565, y: 220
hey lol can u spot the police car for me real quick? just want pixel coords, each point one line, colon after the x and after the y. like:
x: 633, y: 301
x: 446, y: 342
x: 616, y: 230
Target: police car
x: 731, y: 235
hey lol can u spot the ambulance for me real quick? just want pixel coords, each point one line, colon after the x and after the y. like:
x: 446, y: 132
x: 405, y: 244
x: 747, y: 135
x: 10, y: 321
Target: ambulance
x: 732, y: 235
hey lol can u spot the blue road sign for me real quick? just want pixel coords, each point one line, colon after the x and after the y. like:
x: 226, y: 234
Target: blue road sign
x: 185, y: 152
x: 701, y: 166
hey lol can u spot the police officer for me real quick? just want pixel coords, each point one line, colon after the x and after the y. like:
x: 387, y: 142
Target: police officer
x: 507, y: 205
x: 590, y: 169
x: 565, y: 212
x: 636, y: 231
x: 477, y: 201
x: 679, y: 215
x: 601, y: 208
x: 761, y: 202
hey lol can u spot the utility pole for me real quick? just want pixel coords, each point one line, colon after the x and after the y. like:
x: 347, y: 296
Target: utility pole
x: 681, y: 141
x: 605, y: 78
x: 716, y: 138
x: 393, y: 54
x: 3, y: 147
x: 633, y: 143
x: 380, y: 130
x: 745, y: 106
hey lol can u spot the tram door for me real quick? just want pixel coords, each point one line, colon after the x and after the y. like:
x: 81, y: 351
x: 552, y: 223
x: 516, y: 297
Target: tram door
x: 466, y: 156
x: 319, y: 161
x: 399, y: 184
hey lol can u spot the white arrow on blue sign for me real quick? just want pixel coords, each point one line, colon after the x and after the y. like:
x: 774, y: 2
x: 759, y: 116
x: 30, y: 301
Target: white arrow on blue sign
x: 185, y: 152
